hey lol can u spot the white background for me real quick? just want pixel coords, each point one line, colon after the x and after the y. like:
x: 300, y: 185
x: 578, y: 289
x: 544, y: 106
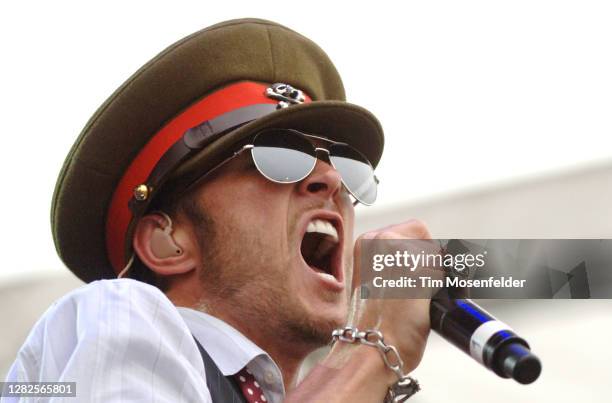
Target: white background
x: 470, y: 93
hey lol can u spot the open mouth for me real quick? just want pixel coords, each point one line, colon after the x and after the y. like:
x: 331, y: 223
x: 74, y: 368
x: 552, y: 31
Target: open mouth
x: 320, y: 247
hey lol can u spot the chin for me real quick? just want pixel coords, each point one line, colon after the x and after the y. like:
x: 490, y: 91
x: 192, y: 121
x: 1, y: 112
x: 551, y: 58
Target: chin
x: 329, y: 317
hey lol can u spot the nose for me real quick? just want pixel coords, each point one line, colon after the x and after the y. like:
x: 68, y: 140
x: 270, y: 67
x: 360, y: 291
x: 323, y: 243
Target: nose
x: 324, y: 182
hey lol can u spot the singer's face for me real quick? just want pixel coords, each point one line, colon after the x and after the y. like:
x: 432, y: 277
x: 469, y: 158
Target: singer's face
x: 276, y: 255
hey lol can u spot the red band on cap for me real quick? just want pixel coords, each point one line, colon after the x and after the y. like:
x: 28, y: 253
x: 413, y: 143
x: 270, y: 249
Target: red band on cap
x: 232, y: 97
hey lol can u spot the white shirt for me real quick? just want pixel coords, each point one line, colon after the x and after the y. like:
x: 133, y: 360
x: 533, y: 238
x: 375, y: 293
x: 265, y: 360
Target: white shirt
x: 124, y: 341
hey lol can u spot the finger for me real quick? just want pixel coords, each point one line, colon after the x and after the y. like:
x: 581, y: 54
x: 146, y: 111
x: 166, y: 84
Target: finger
x: 411, y: 229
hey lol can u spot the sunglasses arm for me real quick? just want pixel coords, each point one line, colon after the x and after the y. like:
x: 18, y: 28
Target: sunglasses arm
x: 228, y: 159
x: 219, y: 165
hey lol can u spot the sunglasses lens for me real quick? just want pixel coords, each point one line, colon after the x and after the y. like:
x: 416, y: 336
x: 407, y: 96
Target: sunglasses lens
x: 356, y: 172
x: 283, y: 156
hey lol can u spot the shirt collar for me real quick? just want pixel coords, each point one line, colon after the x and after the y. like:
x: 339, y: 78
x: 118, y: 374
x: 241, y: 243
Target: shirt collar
x: 230, y: 350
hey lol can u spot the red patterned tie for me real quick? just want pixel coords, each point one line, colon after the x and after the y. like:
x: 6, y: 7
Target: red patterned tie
x: 250, y: 388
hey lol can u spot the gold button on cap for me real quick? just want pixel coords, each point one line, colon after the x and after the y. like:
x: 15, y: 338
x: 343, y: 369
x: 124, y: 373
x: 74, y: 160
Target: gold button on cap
x: 141, y: 192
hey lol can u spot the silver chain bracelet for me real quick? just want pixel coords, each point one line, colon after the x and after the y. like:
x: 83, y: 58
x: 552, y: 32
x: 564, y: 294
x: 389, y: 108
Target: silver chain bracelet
x: 406, y: 386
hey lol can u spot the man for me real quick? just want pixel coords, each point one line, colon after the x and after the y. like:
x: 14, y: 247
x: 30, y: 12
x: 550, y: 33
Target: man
x: 223, y: 173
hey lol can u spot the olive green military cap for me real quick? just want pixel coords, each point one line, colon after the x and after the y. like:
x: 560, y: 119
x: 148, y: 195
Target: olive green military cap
x: 226, y: 70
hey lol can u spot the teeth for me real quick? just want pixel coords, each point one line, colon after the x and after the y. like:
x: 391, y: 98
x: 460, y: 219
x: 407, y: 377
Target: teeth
x: 323, y: 227
x: 327, y: 275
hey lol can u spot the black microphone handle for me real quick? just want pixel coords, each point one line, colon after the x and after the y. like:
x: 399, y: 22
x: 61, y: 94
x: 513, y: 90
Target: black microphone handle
x: 489, y: 341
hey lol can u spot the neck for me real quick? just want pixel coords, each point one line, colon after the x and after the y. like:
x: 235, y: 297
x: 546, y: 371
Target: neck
x: 287, y: 349
x: 286, y: 352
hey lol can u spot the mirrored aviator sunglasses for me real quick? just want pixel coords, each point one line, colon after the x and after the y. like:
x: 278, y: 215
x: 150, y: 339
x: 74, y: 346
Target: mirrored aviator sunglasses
x: 289, y: 156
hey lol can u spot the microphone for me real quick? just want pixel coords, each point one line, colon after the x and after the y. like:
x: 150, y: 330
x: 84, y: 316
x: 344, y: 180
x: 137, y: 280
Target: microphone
x: 489, y: 341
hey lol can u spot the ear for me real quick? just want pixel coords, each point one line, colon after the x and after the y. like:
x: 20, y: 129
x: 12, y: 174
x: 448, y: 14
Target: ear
x: 147, y: 238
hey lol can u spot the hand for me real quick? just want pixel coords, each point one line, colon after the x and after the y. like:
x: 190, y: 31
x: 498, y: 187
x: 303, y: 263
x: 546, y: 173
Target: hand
x: 404, y: 323
x: 354, y: 372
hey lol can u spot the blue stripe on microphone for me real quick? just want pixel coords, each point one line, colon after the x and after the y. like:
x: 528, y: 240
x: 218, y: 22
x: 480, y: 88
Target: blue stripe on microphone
x: 476, y: 314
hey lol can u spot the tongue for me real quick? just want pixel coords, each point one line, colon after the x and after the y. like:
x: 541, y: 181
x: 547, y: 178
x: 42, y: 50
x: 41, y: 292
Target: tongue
x: 324, y: 248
